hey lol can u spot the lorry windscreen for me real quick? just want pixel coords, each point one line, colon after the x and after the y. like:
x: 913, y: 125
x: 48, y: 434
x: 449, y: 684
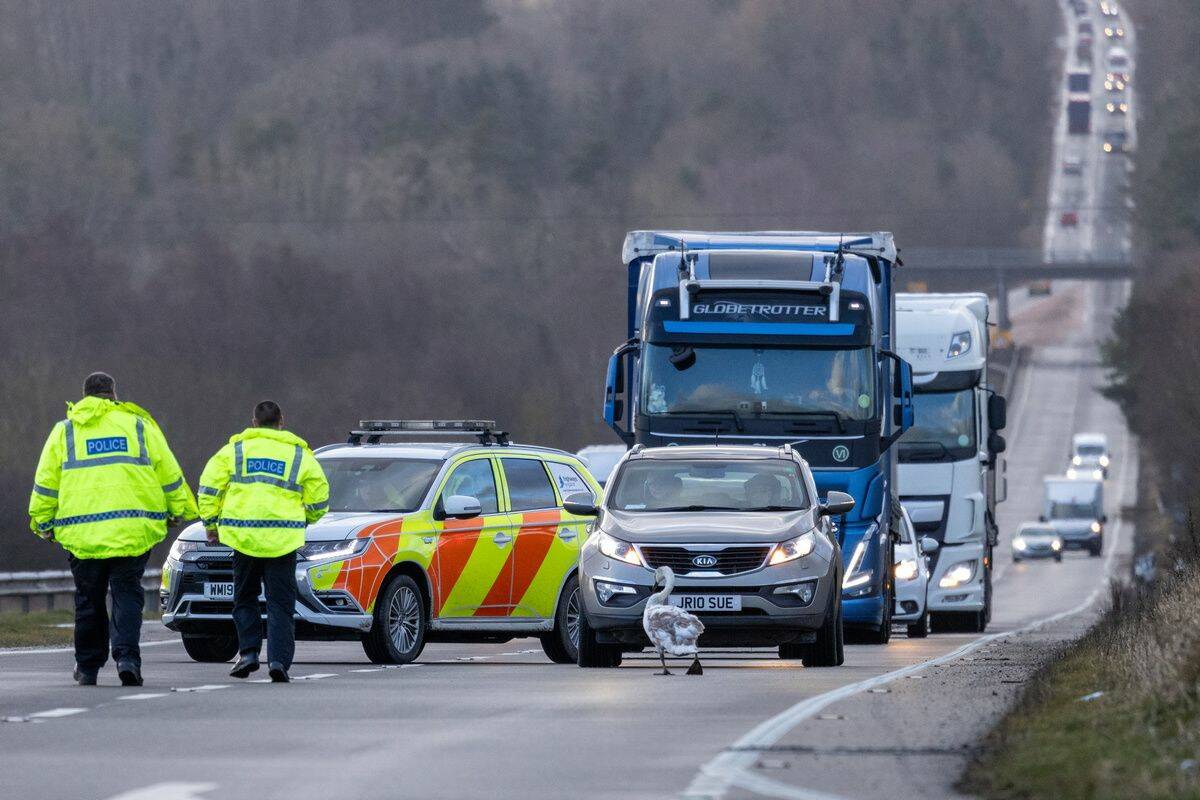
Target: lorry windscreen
x: 709, y: 485
x: 1089, y: 450
x: 1072, y: 511
x: 758, y: 380
x: 378, y: 484
x: 943, y: 429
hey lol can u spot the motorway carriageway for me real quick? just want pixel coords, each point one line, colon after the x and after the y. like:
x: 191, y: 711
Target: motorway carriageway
x: 501, y: 721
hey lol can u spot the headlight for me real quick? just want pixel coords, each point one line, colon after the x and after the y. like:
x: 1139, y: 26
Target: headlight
x: 1104, y: 461
x: 326, y: 551
x: 1056, y: 545
x: 1072, y: 473
x: 1018, y: 543
x: 960, y: 573
x: 853, y: 577
x: 1096, y: 527
x: 1077, y: 460
x: 180, y: 547
x: 1098, y: 474
x: 607, y: 590
x: 621, y: 551
x: 792, y: 549
x: 959, y: 343
x: 906, y: 570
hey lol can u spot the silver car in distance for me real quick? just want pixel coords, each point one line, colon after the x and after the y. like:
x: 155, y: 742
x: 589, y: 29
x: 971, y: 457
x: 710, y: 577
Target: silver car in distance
x: 754, y: 551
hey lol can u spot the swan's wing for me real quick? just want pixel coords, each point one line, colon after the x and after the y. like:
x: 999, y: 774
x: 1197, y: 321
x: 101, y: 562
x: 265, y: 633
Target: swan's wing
x: 672, y: 629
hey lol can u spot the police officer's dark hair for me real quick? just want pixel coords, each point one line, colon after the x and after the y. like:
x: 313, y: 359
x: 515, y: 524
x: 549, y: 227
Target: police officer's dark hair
x: 268, y: 414
x: 100, y: 384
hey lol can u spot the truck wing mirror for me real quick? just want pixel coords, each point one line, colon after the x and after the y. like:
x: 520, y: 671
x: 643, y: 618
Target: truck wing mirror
x: 614, y: 390
x: 996, y: 443
x: 836, y: 503
x: 581, y: 505
x: 929, y: 544
x: 997, y: 408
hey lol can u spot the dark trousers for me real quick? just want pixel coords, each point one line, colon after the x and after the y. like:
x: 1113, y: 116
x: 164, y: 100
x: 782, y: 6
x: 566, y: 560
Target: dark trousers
x: 94, y: 578
x: 278, y: 574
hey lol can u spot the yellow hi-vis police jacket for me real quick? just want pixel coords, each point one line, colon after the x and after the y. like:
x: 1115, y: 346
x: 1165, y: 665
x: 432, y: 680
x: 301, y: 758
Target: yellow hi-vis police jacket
x: 107, y: 482
x: 261, y: 490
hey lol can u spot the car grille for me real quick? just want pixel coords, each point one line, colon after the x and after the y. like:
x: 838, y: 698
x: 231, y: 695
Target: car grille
x: 730, y: 560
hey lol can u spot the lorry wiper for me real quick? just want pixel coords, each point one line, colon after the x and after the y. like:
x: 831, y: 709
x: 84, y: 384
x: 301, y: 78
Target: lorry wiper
x: 737, y: 418
x: 924, y: 451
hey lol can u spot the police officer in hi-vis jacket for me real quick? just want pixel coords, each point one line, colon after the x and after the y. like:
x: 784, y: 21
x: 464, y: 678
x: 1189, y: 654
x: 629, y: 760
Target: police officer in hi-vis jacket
x: 106, y: 488
x: 257, y: 495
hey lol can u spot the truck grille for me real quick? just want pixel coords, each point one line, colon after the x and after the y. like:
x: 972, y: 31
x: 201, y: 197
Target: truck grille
x: 729, y: 561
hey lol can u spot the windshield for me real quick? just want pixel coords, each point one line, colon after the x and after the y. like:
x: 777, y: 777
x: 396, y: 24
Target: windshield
x: 709, y: 485
x: 750, y: 380
x: 943, y: 427
x: 1072, y: 511
x: 1037, y: 533
x: 1089, y: 450
x: 378, y: 484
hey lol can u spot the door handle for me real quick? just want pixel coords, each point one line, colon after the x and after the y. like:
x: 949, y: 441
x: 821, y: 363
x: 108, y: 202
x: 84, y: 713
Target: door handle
x: 567, y: 534
x: 501, y: 539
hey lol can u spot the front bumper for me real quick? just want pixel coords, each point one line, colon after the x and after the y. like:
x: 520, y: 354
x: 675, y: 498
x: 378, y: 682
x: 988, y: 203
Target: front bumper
x: 969, y: 596
x: 324, y: 614
x: 767, y: 618
x: 910, y: 600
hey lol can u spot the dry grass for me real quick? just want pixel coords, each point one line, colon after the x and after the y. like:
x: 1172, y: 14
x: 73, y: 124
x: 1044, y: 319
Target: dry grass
x: 35, y: 630
x: 1141, y: 738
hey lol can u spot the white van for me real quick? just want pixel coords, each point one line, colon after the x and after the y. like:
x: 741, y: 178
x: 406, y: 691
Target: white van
x: 1089, y: 456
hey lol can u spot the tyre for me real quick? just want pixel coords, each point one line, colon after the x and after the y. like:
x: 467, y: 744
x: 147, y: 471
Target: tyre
x: 1058, y: 558
x: 1016, y: 560
x: 562, y: 644
x: 211, y: 649
x: 593, y: 654
x: 397, y: 634
x: 1095, y: 549
x: 829, y: 648
x: 919, y: 628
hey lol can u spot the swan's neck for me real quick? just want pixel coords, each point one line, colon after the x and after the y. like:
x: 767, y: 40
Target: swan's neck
x: 660, y: 598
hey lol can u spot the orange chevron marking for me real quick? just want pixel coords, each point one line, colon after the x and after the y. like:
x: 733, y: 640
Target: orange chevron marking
x: 455, y: 544
x: 538, y: 529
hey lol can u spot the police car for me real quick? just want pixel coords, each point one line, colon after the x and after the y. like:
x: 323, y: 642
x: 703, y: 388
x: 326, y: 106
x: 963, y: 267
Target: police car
x: 423, y: 541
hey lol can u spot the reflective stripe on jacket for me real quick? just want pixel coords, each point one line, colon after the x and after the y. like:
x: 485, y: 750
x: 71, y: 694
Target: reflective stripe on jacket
x: 261, y: 490
x: 107, y: 482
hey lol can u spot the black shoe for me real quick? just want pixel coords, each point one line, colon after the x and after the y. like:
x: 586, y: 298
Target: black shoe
x: 278, y: 673
x: 85, y: 678
x: 246, y: 664
x: 129, y: 673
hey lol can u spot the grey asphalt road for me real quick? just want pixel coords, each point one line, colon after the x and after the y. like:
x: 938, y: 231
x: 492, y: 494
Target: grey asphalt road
x: 500, y: 720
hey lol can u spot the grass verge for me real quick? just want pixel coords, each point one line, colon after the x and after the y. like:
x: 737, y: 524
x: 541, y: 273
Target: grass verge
x: 1140, y: 738
x: 40, y: 628
x: 36, y: 629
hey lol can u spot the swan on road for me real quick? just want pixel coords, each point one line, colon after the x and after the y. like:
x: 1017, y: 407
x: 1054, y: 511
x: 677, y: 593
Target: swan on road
x: 671, y: 629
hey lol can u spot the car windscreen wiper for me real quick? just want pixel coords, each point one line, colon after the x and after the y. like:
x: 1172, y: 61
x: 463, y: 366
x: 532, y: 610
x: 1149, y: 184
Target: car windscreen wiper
x: 389, y: 510
x: 726, y: 412
x: 695, y: 508
x: 774, y: 508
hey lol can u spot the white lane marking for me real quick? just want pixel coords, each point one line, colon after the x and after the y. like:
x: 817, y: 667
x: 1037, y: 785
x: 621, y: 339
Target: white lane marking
x: 316, y: 676
x: 208, y: 687
x: 35, y: 651
x: 142, y: 696
x: 371, y: 669
x: 167, y: 791
x: 55, y: 713
x: 732, y: 767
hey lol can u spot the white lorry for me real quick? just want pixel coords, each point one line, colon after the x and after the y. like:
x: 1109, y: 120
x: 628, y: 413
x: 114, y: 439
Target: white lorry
x: 951, y: 473
x: 1074, y: 507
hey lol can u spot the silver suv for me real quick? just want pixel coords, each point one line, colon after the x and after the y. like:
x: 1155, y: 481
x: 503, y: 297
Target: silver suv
x: 754, y: 551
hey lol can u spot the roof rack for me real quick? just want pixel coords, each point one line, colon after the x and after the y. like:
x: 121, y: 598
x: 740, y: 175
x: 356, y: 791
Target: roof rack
x: 375, y: 429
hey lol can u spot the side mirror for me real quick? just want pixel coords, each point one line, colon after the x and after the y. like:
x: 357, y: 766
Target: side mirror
x: 581, y: 505
x: 460, y: 506
x: 996, y: 443
x: 997, y: 408
x: 1042, y: 518
x: 1104, y: 519
x: 836, y: 503
x: 929, y: 544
